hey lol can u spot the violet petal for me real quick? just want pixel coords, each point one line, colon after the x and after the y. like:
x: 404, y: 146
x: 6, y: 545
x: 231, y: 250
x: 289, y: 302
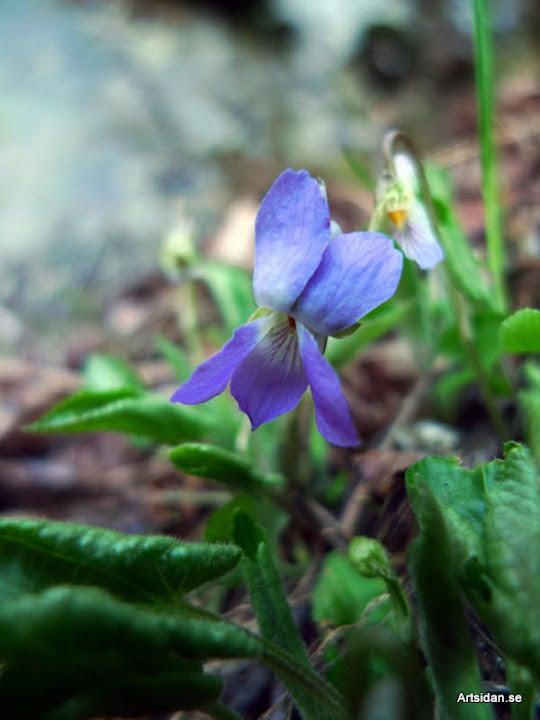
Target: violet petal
x: 332, y: 412
x: 292, y: 231
x: 271, y: 380
x: 211, y: 378
x: 358, y: 272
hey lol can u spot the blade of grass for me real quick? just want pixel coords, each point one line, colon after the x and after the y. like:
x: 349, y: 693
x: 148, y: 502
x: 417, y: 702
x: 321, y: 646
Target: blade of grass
x: 483, y: 65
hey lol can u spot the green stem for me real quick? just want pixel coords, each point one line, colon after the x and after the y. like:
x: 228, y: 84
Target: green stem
x: 295, y: 458
x: 426, y: 329
x: 287, y: 667
x: 318, y: 688
x: 469, y: 347
x: 188, y: 318
x: 486, y: 112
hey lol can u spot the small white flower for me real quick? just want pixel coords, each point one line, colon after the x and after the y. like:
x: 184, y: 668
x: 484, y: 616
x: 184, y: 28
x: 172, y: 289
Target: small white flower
x: 412, y: 229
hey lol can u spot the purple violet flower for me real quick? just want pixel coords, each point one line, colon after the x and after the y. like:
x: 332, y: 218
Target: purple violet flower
x: 309, y: 285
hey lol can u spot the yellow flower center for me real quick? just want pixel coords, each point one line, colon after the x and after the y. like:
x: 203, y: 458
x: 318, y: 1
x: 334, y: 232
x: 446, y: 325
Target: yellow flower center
x: 398, y: 217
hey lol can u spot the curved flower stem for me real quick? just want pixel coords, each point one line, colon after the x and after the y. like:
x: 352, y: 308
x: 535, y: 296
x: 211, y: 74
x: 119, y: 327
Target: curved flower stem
x: 456, y: 303
x: 426, y: 326
x: 295, y: 460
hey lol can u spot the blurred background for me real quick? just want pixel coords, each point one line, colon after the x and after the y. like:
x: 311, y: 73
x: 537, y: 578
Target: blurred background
x: 133, y: 131
x: 120, y: 121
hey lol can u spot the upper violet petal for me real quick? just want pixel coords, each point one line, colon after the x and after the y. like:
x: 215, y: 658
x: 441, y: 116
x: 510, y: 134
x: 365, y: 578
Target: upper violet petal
x: 271, y: 380
x: 332, y: 412
x: 292, y: 231
x: 417, y: 239
x: 358, y: 272
x: 211, y: 378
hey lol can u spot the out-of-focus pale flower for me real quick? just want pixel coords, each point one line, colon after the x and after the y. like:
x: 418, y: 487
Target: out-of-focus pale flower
x: 178, y: 249
x: 398, y: 201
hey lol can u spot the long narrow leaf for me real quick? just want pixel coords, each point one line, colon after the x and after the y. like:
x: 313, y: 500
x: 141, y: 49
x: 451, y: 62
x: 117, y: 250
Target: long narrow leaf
x: 36, y: 554
x: 126, y: 411
x: 276, y: 623
x: 483, y: 65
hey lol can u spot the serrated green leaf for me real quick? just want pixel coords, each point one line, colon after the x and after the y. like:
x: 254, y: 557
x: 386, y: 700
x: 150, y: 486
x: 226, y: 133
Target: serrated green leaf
x: 512, y: 557
x: 341, y: 596
x: 520, y: 333
x: 492, y: 515
x: 445, y: 635
x: 225, y: 466
x: 35, y: 554
x: 79, y: 650
x: 107, y: 372
x: 460, y: 492
x: 126, y: 411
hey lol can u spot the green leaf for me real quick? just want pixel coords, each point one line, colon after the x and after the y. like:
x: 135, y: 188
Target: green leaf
x: 521, y: 682
x: 269, y: 515
x: 175, y: 357
x: 492, y: 517
x: 230, y: 288
x: 446, y: 392
x: 485, y: 96
x: 381, y: 676
x: 360, y: 167
x: 529, y: 400
x: 106, y: 372
x: 126, y: 411
x: 35, y: 554
x: 520, y: 333
x: 225, y: 466
x: 512, y: 557
x: 461, y: 493
x: 266, y: 588
x: 341, y: 596
x: 80, y: 651
x: 444, y: 628
x: 151, y: 694
x: 275, y: 621
x: 464, y: 268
